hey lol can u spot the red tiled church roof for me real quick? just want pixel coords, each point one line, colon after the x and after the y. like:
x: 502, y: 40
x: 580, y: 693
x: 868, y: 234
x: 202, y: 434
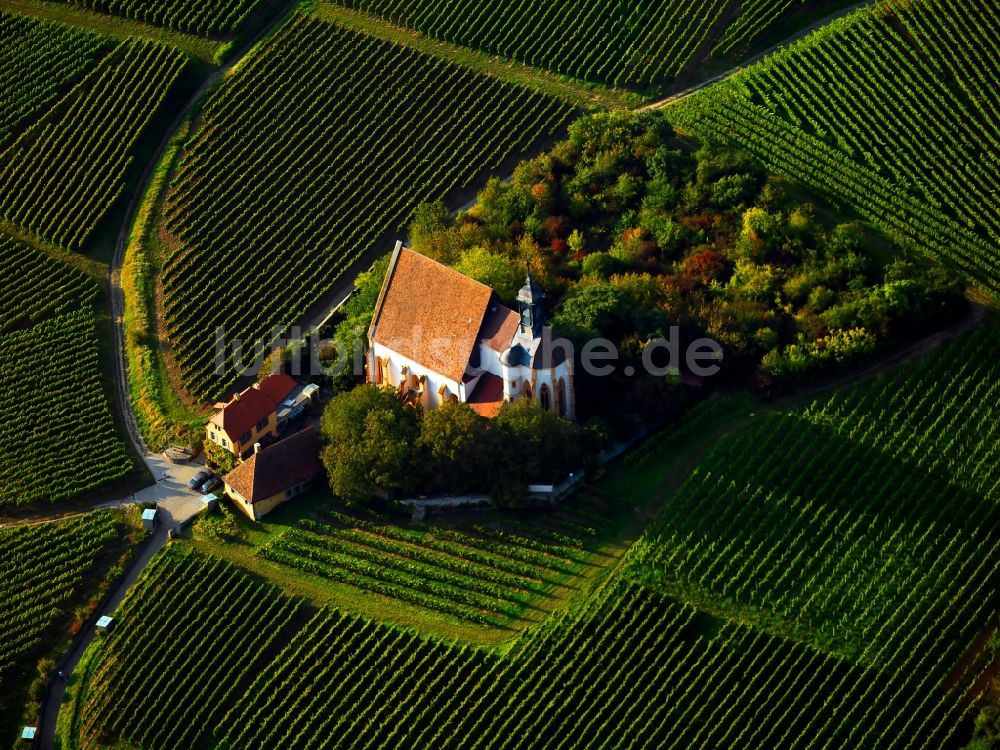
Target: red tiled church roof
x: 253, y: 405
x: 430, y: 313
x: 488, y: 396
x: 278, y: 467
x: 499, y: 327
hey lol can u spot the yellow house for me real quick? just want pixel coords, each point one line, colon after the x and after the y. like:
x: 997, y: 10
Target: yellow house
x: 276, y: 474
x: 251, y: 416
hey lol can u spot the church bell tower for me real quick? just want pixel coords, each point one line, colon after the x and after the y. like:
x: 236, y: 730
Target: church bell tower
x: 529, y: 303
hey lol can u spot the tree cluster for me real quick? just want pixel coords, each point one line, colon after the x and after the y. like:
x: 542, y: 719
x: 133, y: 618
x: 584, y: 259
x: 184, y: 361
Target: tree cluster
x: 632, y: 231
x: 376, y: 445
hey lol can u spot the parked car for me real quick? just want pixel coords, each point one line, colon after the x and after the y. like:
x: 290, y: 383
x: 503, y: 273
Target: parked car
x: 199, y: 479
x: 211, y: 484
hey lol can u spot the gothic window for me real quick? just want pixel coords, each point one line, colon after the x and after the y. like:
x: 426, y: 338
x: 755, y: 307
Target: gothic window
x: 545, y: 397
x: 379, y: 371
x: 561, y: 397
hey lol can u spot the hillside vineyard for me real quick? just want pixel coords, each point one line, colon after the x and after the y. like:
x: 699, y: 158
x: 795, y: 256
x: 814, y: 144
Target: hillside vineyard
x: 308, y: 154
x: 40, y: 568
x: 193, y: 16
x: 36, y: 285
x: 60, y: 177
x: 51, y: 449
x: 893, y: 111
x: 709, y: 656
x: 36, y: 60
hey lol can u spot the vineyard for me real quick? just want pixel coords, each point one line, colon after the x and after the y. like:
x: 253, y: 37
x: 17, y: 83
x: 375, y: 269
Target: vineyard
x: 481, y: 574
x: 623, y: 43
x: 755, y: 18
x: 61, y: 175
x: 880, y: 547
x: 36, y: 60
x: 192, y: 633
x: 42, y: 568
x: 637, y: 44
x: 57, y: 437
x: 192, y: 16
x: 35, y: 285
x: 707, y: 638
x: 307, y: 155
x: 891, y: 110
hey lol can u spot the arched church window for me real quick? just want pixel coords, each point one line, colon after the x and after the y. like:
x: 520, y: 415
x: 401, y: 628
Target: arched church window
x: 545, y: 397
x: 561, y: 397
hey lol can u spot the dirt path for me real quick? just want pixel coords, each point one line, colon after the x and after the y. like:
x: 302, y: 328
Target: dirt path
x: 757, y: 57
x: 122, y: 390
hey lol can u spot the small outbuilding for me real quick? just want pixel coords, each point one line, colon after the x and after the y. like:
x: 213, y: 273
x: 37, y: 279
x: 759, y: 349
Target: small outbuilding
x: 149, y: 519
x: 105, y: 624
x: 210, y: 502
x: 276, y: 474
x: 28, y: 734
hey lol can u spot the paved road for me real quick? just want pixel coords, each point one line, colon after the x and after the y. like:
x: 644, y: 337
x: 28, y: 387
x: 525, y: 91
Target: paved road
x: 177, y: 505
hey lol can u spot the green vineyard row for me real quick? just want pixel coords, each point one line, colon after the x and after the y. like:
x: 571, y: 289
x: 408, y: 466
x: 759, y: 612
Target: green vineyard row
x: 57, y: 436
x: 60, y: 176
x: 38, y: 59
x: 880, y: 546
x: 756, y: 17
x: 633, y: 43
x: 35, y: 285
x: 305, y: 156
x: 191, y: 631
x: 192, y: 16
x: 41, y: 567
x: 481, y: 575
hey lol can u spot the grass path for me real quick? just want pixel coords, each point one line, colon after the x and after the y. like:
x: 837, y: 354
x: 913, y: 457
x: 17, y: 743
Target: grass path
x: 116, y: 27
x: 585, y: 95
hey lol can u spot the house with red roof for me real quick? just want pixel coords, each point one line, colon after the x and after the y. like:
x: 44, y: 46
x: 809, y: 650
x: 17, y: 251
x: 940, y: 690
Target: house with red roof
x: 274, y: 475
x: 251, y: 416
x: 439, y: 336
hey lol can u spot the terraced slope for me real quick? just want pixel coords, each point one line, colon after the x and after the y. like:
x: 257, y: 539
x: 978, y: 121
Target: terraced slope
x: 893, y: 111
x: 305, y: 157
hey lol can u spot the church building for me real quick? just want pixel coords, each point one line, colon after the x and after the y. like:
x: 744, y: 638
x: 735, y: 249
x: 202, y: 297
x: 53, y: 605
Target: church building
x: 439, y: 336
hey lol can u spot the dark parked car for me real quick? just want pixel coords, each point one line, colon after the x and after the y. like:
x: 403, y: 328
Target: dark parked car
x: 199, y: 479
x: 211, y: 484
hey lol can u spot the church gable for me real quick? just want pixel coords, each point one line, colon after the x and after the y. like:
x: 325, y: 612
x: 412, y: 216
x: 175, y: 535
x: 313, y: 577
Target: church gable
x: 430, y: 313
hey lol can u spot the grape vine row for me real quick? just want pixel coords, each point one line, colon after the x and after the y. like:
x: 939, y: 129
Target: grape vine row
x: 62, y: 175
x: 35, y: 285
x: 482, y: 575
x: 630, y: 43
x: 57, y: 437
x: 41, y: 567
x: 191, y: 633
x: 203, y: 17
x: 37, y: 60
